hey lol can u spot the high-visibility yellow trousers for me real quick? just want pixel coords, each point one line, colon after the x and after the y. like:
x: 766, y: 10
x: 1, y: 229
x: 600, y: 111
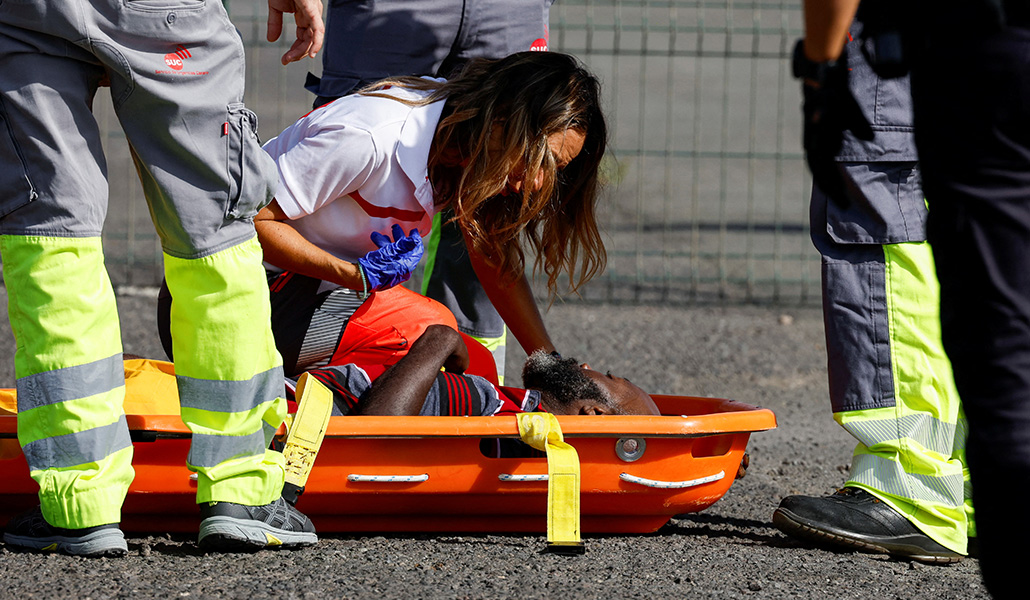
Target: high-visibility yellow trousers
x: 228, y: 372
x: 71, y: 384
x: 911, y: 450
x: 891, y: 385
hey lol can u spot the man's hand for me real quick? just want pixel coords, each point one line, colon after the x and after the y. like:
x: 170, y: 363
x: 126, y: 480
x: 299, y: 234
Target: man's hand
x: 458, y: 361
x: 394, y: 261
x: 310, y: 28
x: 829, y: 110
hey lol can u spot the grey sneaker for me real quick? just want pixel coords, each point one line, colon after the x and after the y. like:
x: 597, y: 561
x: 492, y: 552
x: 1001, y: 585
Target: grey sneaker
x: 30, y: 531
x: 229, y: 527
x: 855, y: 519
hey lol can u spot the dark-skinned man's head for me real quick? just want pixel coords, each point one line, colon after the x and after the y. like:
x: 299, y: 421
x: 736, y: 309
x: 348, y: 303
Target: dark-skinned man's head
x: 570, y: 388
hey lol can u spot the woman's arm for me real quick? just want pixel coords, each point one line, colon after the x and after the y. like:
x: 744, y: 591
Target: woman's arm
x: 513, y: 301
x: 286, y: 248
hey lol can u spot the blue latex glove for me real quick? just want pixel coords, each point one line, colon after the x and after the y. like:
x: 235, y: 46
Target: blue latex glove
x: 394, y: 261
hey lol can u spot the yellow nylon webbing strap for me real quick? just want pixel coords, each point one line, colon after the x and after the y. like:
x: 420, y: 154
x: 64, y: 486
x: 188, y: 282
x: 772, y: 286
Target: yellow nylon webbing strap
x: 308, y: 428
x: 541, y: 431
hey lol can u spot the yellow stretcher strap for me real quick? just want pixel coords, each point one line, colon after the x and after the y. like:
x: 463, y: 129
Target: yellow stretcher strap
x: 315, y: 406
x: 541, y: 431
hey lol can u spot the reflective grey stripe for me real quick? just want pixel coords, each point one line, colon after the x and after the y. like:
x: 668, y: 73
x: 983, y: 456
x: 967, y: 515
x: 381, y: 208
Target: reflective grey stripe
x: 90, y: 446
x: 211, y: 450
x: 327, y: 324
x: 70, y: 383
x: 888, y: 477
x: 269, y: 432
x: 961, y: 434
x: 230, y: 396
x: 499, y: 353
x: 933, y: 434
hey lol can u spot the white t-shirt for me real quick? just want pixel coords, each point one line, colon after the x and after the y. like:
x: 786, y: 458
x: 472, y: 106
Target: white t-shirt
x: 356, y: 166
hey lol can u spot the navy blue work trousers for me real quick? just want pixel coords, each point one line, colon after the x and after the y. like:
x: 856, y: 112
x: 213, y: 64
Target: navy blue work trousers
x: 972, y: 118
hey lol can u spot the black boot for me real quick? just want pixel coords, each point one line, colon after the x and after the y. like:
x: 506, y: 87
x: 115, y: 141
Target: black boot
x: 855, y: 519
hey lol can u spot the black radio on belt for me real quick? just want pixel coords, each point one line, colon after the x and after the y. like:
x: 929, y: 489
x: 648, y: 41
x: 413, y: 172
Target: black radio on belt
x: 893, y: 30
x: 886, y: 29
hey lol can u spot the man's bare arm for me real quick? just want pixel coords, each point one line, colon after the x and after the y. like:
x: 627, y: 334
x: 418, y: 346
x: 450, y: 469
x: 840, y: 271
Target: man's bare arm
x: 402, y: 389
x: 310, y: 29
x: 826, y: 27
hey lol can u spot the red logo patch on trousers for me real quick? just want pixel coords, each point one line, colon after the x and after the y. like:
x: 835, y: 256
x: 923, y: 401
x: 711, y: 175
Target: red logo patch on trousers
x: 175, y: 60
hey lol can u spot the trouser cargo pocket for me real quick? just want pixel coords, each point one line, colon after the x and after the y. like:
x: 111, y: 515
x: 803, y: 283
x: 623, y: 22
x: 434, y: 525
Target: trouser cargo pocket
x: 251, y: 172
x: 16, y: 189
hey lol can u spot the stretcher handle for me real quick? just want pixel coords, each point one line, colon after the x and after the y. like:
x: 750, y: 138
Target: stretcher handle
x: 510, y: 477
x: 671, y: 484
x: 389, y: 478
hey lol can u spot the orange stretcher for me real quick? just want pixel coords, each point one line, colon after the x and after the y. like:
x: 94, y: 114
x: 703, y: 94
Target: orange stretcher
x: 435, y: 474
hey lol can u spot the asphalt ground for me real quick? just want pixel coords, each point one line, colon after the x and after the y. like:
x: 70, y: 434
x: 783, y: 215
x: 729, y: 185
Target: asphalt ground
x: 767, y: 356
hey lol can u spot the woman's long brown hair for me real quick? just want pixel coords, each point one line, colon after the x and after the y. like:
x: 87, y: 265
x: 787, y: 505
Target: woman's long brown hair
x: 496, y: 123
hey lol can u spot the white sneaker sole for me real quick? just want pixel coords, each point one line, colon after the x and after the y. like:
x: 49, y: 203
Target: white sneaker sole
x: 229, y: 534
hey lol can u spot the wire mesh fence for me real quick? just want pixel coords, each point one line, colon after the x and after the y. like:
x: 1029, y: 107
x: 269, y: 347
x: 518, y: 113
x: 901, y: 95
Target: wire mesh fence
x: 708, y: 194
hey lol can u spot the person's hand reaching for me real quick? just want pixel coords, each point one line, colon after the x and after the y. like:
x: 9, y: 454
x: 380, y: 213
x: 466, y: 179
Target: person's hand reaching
x: 310, y: 28
x: 393, y: 262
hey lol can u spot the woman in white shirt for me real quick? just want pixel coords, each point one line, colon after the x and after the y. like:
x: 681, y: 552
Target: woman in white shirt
x: 513, y: 146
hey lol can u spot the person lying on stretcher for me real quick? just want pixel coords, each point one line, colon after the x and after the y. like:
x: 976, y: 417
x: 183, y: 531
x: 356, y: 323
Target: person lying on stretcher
x: 415, y: 385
